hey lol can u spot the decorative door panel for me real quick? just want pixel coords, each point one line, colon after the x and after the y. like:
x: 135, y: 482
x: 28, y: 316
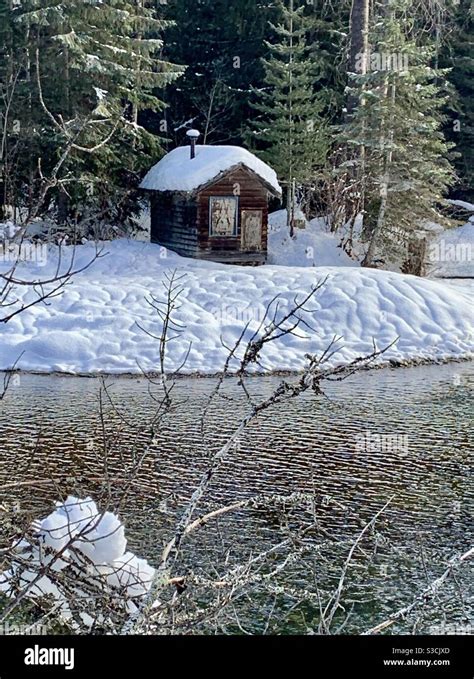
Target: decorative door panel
x: 251, y: 227
x: 223, y: 216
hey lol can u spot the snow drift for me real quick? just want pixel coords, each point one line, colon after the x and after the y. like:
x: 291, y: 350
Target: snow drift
x: 313, y: 246
x: 95, y: 325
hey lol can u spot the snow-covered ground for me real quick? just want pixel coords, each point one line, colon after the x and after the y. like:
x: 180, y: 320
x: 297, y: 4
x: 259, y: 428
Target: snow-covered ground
x: 94, y: 326
x: 311, y: 246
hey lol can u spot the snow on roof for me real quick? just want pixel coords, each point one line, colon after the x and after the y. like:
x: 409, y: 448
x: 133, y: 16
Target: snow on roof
x: 178, y: 172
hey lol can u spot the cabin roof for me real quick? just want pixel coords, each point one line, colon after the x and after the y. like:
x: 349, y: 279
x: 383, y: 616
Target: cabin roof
x: 177, y: 171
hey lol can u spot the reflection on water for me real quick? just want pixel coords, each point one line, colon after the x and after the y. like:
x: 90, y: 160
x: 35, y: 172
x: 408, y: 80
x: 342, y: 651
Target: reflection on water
x: 309, y: 444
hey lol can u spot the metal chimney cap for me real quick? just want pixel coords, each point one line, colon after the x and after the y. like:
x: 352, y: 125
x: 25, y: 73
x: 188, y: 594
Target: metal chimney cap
x: 193, y: 134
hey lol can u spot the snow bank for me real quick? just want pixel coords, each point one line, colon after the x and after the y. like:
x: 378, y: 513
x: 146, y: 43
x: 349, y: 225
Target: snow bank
x: 463, y: 204
x: 77, y: 529
x: 94, y: 326
x: 312, y: 246
x: 178, y: 172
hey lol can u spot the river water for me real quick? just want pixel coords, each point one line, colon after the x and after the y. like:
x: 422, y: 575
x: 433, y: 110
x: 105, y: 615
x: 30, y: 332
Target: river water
x: 418, y: 422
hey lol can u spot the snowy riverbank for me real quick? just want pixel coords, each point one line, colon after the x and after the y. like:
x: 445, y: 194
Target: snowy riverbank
x: 94, y: 325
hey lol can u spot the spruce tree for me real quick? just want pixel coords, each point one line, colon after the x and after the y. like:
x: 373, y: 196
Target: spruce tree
x: 459, y: 55
x: 398, y: 122
x: 97, y: 65
x: 20, y: 137
x: 221, y: 42
x: 290, y: 132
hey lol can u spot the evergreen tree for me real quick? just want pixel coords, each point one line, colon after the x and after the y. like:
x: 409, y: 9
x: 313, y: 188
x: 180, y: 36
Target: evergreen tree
x: 96, y: 66
x: 459, y: 55
x: 20, y: 138
x: 290, y: 132
x: 221, y: 42
x: 398, y: 122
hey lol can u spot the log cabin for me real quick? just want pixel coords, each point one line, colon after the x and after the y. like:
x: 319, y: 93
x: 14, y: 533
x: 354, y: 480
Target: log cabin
x: 211, y: 203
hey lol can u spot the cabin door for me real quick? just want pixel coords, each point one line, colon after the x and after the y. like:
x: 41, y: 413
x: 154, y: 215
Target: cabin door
x: 251, y: 229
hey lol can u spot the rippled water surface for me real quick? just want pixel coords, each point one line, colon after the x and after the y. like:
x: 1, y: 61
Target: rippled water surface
x: 50, y: 428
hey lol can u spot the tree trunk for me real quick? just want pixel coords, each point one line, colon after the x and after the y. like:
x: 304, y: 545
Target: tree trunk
x: 385, y: 178
x: 290, y: 101
x: 358, y: 63
x: 386, y: 144
x: 359, y: 44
